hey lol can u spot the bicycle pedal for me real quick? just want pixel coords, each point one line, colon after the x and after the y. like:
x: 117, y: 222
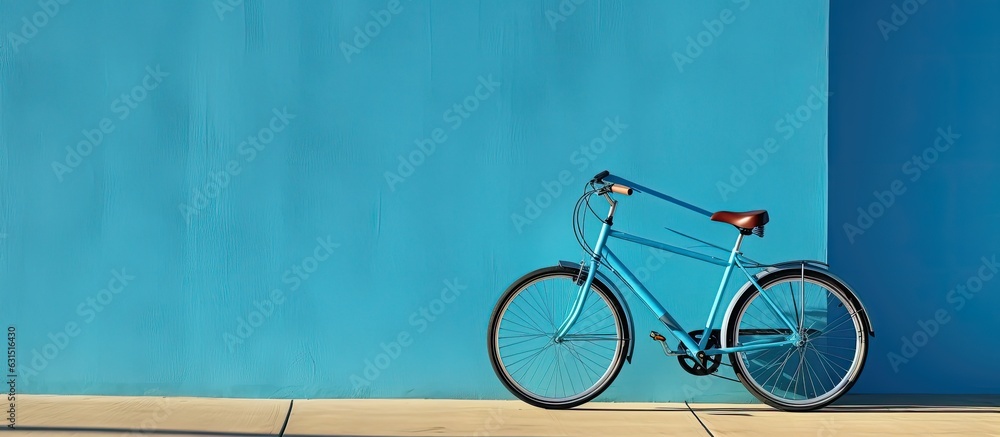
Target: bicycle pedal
x: 663, y: 343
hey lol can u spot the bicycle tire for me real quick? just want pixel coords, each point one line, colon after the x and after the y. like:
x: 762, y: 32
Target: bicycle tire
x: 859, y: 331
x: 566, y: 276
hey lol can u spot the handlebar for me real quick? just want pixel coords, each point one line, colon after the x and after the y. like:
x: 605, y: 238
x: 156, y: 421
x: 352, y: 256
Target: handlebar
x: 615, y: 188
x: 621, y: 189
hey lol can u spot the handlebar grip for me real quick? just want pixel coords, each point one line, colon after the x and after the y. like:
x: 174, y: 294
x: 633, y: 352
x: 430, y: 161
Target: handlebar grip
x: 621, y: 189
x: 600, y: 176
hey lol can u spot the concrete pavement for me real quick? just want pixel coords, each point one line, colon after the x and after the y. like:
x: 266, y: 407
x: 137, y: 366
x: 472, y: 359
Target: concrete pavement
x: 93, y: 416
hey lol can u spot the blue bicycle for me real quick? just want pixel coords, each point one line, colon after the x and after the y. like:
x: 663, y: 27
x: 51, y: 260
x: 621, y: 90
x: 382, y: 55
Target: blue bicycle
x: 795, y: 334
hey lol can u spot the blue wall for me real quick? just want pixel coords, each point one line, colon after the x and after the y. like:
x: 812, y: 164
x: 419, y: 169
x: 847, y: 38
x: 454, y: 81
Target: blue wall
x: 923, y: 252
x: 282, y: 207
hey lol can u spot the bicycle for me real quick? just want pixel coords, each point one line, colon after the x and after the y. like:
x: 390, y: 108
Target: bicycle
x: 559, y: 335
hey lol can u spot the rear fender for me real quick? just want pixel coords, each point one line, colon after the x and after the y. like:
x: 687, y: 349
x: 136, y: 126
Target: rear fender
x: 814, y: 266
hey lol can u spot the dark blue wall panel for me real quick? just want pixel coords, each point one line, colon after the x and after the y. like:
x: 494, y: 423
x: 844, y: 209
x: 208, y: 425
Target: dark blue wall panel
x: 914, y: 161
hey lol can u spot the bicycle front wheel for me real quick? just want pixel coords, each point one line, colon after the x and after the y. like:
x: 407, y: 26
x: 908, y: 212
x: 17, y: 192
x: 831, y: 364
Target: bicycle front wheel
x: 548, y: 373
x: 823, y: 364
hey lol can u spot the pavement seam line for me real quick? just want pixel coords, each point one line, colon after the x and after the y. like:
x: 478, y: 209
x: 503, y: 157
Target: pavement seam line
x: 699, y: 419
x: 291, y: 404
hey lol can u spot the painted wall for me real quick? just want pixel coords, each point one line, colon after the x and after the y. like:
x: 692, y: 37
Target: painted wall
x: 913, y: 145
x: 325, y: 199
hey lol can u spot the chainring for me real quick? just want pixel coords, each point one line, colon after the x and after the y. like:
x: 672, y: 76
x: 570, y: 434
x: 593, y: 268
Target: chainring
x: 712, y: 362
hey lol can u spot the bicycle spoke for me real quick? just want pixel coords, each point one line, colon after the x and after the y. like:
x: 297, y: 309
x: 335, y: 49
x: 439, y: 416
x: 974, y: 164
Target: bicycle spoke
x: 522, y: 334
x: 809, y: 375
x: 772, y: 362
x: 559, y: 367
x: 521, y: 325
x: 597, y: 366
x: 780, y: 370
x: 795, y: 377
x: 829, y: 361
x: 530, y: 303
x: 849, y: 315
x: 536, y: 354
x: 552, y: 369
x: 517, y: 343
x: 815, y: 392
x: 590, y: 337
x: 759, y: 320
x: 595, y: 323
x: 830, y: 353
x: 552, y: 308
x: 834, y: 378
x: 578, y: 364
x: 795, y: 310
x: 526, y: 317
x: 823, y: 366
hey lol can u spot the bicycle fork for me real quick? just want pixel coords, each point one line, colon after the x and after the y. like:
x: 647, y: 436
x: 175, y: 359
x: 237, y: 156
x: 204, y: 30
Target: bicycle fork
x: 595, y: 261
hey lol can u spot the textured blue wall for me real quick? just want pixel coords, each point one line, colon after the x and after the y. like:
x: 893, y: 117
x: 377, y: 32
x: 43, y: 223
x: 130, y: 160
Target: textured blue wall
x: 325, y: 199
x: 913, y: 144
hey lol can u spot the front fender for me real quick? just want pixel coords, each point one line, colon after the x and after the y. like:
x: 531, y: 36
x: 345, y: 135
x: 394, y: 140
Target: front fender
x: 621, y: 299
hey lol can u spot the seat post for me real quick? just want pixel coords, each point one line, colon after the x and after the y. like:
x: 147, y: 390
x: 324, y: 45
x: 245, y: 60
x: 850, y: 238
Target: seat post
x: 739, y: 241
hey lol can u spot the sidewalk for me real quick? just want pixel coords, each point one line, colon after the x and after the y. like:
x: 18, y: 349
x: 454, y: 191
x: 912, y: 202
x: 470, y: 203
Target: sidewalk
x: 114, y: 416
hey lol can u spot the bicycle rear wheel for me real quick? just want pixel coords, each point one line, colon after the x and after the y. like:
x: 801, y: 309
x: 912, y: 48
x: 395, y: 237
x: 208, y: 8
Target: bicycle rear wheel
x: 536, y: 368
x: 818, y: 369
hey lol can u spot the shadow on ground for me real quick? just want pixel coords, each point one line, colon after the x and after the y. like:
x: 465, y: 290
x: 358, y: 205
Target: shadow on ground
x: 988, y: 404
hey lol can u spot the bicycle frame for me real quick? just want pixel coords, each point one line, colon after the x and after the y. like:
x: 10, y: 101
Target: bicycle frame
x: 736, y: 260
